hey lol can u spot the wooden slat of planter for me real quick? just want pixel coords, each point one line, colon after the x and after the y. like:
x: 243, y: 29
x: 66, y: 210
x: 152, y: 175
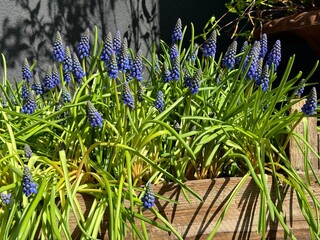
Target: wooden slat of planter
x: 196, y: 220
x: 296, y: 155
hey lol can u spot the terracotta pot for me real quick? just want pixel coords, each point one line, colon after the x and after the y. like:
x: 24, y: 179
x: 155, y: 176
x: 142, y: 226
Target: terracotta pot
x: 305, y: 25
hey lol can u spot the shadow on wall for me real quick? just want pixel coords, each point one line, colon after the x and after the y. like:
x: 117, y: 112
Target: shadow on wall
x: 29, y: 26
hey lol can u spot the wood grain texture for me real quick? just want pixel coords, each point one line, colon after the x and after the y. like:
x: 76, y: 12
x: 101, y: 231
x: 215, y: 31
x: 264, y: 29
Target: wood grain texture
x: 295, y: 153
x: 197, y: 219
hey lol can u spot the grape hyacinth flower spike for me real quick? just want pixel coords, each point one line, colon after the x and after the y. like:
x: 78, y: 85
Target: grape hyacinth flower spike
x: 263, y: 81
x: 140, y: 92
x: 27, y: 151
x: 65, y: 95
x: 175, y: 71
x: 300, y: 91
x: 36, y: 86
x: 26, y: 72
x: 230, y: 56
x: 177, y: 31
x: 55, y: 76
x: 254, y: 55
x: 5, y: 198
x: 264, y: 45
x: 311, y: 103
x: 275, y: 55
x: 173, y: 52
x: 67, y: 62
x: 77, y: 70
x: 24, y: 91
x: 107, y: 49
x: 166, y: 74
x: 83, y: 47
x: 123, y: 60
x: 159, y: 103
x: 94, y: 116
x: 127, y: 96
x: 47, y: 81
x: 209, y: 47
x: 195, y: 82
x: 243, y: 49
x: 30, y: 104
x: 58, y: 49
x: 117, y: 43
x: 148, y: 198
x: 113, y: 67
x: 28, y: 185
x: 136, y: 68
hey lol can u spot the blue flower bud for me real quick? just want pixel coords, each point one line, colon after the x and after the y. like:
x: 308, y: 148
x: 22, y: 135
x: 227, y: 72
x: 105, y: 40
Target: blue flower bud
x: 67, y: 62
x: 173, y: 52
x: 123, y: 60
x: 26, y: 72
x: 55, y: 76
x: 136, y: 68
x: 263, y: 81
x: 159, y: 103
x: 66, y: 97
x: 107, y: 50
x: 27, y: 151
x: 275, y: 55
x: 30, y: 104
x: 5, y: 198
x: 48, y: 82
x: 311, y: 103
x: 24, y: 91
x: 58, y: 50
x: 175, y: 71
x: 300, y: 91
x: 148, y: 198
x: 177, y: 31
x: 166, y: 74
x: 209, y: 47
x: 36, y: 86
x: 127, y: 96
x: 77, y: 70
x: 264, y: 46
x: 83, y: 47
x: 94, y: 116
x: 229, y: 58
x: 113, y: 67
x: 117, y: 43
x: 28, y: 185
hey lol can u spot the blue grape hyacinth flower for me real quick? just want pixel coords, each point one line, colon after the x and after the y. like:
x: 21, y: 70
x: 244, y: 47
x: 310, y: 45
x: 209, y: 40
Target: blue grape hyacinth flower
x: 28, y: 185
x: 177, y: 31
x: 67, y: 62
x: 127, y: 96
x: 77, y: 70
x: 243, y: 49
x: 27, y: 151
x: 300, y: 91
x: 48, y: 82
x: 113, y: 66
x: 166, y: 74
x: 311, y: 103
x: 55, y: 76
x: 264, y: 45
x: 30, y: 104
x: 229, y: 58
x: 254, y: 55
x: 83, y: 47
x: 66, y: 97
x: 148, y: 199
x: 175, y: 71
x: 264, y: 79
x: 24, y: 91
x: 94, y: 116
x: 136, y: 68
x: 67, y: 77
x: 117, y: 43
x: 58, y: 49
x: 275, y: 55
x: 107, y: 49
x: 36, y: 86
x: 123, y: 60
x: 26, y: 72
x: 159, y: 103
x: 5, y: 198
x: 210, y: 46
x: 194, y: 83
x: 173, y: 52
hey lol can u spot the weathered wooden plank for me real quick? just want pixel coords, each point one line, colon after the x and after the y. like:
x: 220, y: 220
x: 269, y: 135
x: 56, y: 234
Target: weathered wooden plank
x: 295, y: 153
x: 197, y: 219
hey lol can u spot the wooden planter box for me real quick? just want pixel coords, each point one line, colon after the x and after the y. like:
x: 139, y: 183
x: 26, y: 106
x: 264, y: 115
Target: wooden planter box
x: 196, y: 220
